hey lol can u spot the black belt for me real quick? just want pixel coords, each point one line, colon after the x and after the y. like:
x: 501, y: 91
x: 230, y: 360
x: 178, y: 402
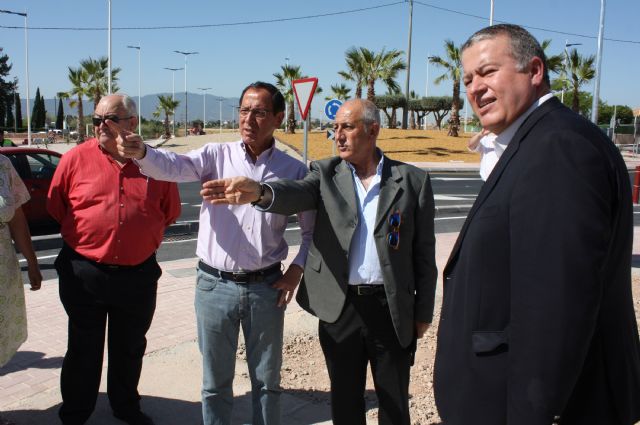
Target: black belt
x: 104, y: 266
x: 366, y: 289
x: 240, y: 277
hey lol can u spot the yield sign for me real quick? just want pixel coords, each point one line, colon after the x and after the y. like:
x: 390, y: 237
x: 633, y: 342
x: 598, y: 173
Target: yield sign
x: 304, y: 90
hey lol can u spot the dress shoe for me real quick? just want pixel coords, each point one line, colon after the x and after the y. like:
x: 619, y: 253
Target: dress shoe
x: 134, y: 418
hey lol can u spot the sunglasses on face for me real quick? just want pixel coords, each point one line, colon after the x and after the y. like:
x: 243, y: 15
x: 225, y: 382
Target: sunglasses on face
x: 97, y: 120
x: 393, y: 237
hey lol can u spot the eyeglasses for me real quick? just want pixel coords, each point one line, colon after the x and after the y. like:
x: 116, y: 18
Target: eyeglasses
x: 259, y: 113
x: 393, y: 237
x: 97, y: 120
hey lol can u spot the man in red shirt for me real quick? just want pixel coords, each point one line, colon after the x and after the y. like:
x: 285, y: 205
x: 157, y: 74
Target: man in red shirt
x: 112, y: 221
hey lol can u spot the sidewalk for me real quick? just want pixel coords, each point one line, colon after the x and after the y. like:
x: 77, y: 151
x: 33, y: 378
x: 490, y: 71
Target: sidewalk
x: 171, y: 375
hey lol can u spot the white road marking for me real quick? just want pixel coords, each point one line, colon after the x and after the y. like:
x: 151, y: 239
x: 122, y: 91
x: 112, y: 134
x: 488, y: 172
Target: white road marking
x: 454, y: 179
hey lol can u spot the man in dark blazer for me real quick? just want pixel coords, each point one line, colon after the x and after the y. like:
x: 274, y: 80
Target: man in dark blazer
x: 537, y: 318
x: 370, y: 274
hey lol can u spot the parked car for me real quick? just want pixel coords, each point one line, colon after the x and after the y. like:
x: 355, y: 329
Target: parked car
x: 36, y: 167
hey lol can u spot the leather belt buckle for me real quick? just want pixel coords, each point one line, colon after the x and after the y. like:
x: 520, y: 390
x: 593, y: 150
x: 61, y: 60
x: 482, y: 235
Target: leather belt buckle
x: 241, y: 277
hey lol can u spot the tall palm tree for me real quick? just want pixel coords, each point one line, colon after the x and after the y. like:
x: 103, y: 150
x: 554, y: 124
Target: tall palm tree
x: 580, y: 71
x: 453, y: 71
x: 355, y: 70
x: 340, y: 92
x: 283, y: 82
x: 167, y: 106
x: 554, y: 62
x: 78, y: 79
x: 382, y: 66
x: 98, y: 78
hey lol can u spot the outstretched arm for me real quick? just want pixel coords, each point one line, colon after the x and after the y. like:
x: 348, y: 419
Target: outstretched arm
x: 233, y: 191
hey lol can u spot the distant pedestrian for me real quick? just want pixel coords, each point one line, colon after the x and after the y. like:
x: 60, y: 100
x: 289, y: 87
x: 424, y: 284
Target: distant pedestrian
x: 484, y: 142
x: 112, y: 221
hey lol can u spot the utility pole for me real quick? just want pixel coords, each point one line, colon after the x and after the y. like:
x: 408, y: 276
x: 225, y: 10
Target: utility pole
x: 405, y: 111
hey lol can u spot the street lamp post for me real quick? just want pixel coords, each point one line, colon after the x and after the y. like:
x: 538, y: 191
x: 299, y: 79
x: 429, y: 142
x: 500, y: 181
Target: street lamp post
x: 186, y: 100
x: 220, y: 107
x: 173, y: 93
x: 204, y: 106
x: 109, y: 50
x: 405, y: 110
x: 564, y: 70
x: 596, y: 88
x: 26, y: 60
x: 286, y: 104
x: 139, y: 96
x: 491, y: 14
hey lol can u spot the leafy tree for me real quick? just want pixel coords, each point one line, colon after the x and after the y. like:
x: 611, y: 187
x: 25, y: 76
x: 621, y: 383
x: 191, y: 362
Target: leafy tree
x: 60, y: 115
x: 167, y: 106
x: 453, y: 71
x: 580, y: 71
x: 624, y: 114
x: 36, y: 111
x: 18, y: 107
x: 393, y: 102
x: 355, y: 70
x: 78, y: 78
x: 340, y: 92
x: 97, y: 78
x: 7, y: 88
x: 439, y: 106
x: 585, y: 99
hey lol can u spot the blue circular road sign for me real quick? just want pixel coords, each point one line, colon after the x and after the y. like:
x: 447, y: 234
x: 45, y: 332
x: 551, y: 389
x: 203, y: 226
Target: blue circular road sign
x: 331, y: 108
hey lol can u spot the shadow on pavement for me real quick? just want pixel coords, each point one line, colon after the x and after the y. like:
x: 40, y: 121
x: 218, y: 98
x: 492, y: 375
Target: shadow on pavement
x: 30, y: 359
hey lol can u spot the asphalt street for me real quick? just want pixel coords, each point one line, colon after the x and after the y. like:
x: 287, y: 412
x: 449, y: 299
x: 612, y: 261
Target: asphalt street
x: 454, y: 193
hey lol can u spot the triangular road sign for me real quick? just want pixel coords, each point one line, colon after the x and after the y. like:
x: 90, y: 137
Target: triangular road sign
x: 304, y: 90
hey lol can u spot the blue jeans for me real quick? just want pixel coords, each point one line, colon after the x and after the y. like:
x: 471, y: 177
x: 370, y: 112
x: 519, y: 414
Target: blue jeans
x: 221, y: 307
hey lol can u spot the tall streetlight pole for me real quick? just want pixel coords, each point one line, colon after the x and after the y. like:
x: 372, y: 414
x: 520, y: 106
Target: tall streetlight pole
x: 204, y: 106
x: 186, y: 100
x: 286, y: 104
x: 139, y: 96
x: 491, y: 14
x: 405, y: 111
x: 564, y: 70
x: 220, y: 106
x: 109, y: 50
x: 426, y: 89
x: 596, y: 89
x: 26, y: 60
x: 173, y: 93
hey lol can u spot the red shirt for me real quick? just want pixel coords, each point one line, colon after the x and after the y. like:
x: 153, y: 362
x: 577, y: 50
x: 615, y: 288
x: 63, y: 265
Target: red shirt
x: 108, y: 213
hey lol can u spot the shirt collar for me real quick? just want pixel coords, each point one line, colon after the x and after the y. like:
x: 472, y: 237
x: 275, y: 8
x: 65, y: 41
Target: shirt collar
x: 378, y: 168
x: 264, y: 156
x: 505, y: 137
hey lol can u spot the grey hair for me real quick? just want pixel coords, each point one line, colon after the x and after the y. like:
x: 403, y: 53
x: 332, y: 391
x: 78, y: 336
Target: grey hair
x: 127, y: 103
x: 524, y: 46
x: 370, y: 113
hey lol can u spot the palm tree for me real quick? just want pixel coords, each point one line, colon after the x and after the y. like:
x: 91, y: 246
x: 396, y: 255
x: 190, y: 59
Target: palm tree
x: 453, y: 71
x: 579, y: 71
x: 355, y: 70
x: 167, y: 106
x: 78, y: 79
x: 554, y: 62
x: 340, y: 92
x: 382, y: 66
x: 283, y: 82
x: 98, y: 78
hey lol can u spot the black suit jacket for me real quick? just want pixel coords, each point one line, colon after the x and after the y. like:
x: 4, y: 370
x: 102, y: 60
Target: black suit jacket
x: 537, y: 317
x: 409, y: 272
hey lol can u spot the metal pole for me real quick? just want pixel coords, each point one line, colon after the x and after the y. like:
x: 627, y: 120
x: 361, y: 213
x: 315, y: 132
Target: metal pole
x: 186, y: 100
x: 426, y: 90
x: 173, y: 94
x: 405, y: 111
x: 491, y: 14
x: 109, y: 50
x: 596, y: 89
x: 204, y: 106
x: 139, y: 97
x: 220, y: 107
x: 26, y: 56
x: 304, y: 144
x: 566, y: 64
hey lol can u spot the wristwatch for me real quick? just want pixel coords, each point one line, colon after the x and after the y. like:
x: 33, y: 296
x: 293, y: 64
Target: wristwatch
x: 257, y: 201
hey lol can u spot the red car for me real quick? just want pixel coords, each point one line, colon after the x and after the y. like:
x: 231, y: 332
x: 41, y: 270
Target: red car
x: 36, y: 167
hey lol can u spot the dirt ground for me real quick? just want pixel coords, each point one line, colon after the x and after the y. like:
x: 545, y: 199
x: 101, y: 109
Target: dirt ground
x: 402, y: 145
x: 304, y: 372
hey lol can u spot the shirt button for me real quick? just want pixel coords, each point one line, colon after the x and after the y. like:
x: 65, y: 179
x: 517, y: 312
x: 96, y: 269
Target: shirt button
x: 122, y: 188
x: 118, y: 240
x: 121, y: 222
x: 116, y: 257
x: 121, y: 205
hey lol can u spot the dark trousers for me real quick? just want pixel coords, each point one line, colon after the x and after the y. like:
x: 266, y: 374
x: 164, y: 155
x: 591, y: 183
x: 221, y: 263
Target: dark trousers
x: 364, y: 333
x: 92, y: 294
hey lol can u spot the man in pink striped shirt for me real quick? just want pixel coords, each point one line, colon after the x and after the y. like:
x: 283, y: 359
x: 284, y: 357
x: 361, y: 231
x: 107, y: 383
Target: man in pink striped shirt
x: 239, y: 281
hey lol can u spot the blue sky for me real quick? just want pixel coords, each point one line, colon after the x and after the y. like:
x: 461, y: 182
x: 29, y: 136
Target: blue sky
x: 231, y: 56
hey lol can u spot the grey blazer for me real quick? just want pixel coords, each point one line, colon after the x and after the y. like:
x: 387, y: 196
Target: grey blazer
x: 409, y: 272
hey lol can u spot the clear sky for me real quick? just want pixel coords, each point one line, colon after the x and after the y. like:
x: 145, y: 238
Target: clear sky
x: 231, y: 55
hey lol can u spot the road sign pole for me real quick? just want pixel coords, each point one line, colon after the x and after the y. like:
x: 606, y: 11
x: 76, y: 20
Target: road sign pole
x: 304, y: 144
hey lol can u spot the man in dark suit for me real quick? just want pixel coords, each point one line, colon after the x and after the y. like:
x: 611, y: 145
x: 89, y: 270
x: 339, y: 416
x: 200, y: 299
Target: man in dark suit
x: 537, y: 318
x: 370, y: 273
